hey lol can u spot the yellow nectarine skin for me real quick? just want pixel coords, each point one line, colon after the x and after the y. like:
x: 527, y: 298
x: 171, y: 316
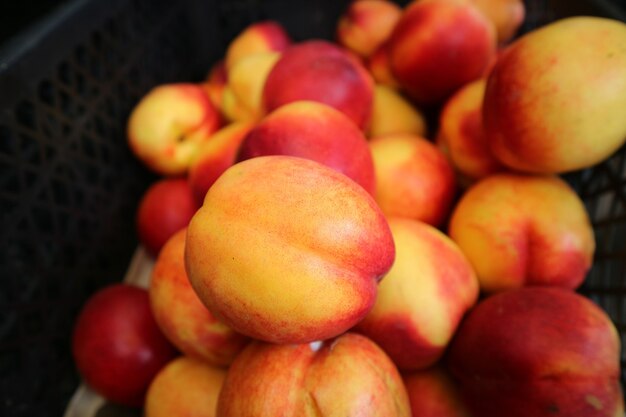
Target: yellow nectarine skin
x: 552, y: 108
x: 413, y: 178
x: 519, y: 230
x: 181, y: 315
x: 169, y: 124
x: 461, y: 133
x: 260, y: 37
x: 392, y: 114
x: 506, y: 15
x: 538, y: 352
x: 423, y: 297
x: 233, y: 109
x: 346, y: 376
x: 366, y: 24
x: 287, y: 250
x: 185, y: 387
x: 247, y: 78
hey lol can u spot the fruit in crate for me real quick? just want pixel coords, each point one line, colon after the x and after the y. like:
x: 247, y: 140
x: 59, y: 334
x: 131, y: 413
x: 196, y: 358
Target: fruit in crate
x: 393, y: 114
x: 413, y: 178
x: 260, y: 37
x: 287, y: 247
x: 423, y: 298
x: 218, y: 74
x: 315, y: 131
x: 366, y: 24
x: 246, y: 80
x: 519, y: 230
x: 346, y: 376
x: 433, y: 393
x: 231, y: 107
x: 181, y: 315
x: 216, y: 156
x: 538, y: 352
x: 461, y: 134
x: 321, y: 71
x: 378, y: 65
x: 506, y: 15
x: 438, y: 46
x: 166, y: 207
x: 215, y: 84
x: 169, y: 124
x: 555, y: 98
x: 185, y: 387
x: 287, y: 250
x: 117, y: 346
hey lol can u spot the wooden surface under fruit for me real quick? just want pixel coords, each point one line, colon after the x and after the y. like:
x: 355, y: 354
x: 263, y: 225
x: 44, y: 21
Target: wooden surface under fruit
x: 85, y: 402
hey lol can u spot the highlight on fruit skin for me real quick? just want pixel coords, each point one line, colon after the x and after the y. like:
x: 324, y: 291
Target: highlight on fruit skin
x: 287, y: 250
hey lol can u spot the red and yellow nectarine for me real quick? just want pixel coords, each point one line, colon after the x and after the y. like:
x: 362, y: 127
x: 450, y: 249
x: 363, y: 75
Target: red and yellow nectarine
x: 287, y: 250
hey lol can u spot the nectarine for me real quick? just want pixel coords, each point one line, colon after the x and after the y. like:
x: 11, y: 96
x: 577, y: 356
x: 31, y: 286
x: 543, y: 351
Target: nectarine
x: 538, y: 352
x: 519, y: 230
x: 181, y: 315
x: 287, y: 250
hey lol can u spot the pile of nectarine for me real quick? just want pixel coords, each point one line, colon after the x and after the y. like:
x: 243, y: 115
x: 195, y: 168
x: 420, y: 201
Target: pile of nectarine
x: 324, y: 249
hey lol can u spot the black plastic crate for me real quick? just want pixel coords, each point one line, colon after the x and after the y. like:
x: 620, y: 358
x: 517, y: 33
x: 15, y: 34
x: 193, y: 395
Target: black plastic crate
x: 69, y: 186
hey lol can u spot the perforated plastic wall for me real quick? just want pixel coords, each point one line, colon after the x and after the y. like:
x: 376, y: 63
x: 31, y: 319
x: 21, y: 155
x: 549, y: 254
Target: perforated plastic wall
x: 69, y: 185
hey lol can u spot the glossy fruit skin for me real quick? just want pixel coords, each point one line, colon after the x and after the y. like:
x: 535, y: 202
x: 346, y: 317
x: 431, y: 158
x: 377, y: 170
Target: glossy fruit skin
x: 542, y: 90
x: 345, y: 376
x: 320, y: 71
x: 117, y: 346
x: 538, y: 352
x: 287, y: 250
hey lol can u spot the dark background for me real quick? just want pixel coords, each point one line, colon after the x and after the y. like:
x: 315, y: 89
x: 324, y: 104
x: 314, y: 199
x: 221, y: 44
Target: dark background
x: 17, y: 15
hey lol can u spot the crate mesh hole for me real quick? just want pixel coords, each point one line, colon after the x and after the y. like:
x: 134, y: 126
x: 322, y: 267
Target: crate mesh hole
x: 69, y: 189
x: 25, y: 114
x: 43, y: 220
x: 7, y: 141
x: 10, y: 183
